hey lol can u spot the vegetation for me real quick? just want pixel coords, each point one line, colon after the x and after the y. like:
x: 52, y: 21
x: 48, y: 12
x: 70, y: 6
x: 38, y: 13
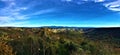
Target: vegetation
x: 5, y: 49
x: 44, y: 41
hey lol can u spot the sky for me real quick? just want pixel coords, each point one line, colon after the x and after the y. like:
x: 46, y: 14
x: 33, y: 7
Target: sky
x: 77, y: 13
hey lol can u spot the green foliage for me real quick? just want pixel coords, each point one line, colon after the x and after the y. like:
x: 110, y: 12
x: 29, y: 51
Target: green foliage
x: 42, y: 41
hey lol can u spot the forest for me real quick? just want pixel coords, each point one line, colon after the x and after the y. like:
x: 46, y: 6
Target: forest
x: 59, y: 41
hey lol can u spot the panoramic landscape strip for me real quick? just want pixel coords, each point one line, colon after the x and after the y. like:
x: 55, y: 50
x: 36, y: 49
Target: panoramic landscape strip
x: 59, y: 41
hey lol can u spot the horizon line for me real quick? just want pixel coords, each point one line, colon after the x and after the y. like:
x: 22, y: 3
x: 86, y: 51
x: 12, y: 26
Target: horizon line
x: 64, y: 26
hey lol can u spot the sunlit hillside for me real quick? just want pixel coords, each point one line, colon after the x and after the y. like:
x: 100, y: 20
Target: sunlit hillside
x: 59, y: 41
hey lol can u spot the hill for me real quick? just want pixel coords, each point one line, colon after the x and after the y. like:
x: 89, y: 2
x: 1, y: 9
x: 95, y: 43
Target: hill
x: 59, y: 41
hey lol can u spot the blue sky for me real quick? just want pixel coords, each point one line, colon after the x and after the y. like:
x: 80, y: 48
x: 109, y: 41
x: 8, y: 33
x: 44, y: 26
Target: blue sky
x: 77, y: 13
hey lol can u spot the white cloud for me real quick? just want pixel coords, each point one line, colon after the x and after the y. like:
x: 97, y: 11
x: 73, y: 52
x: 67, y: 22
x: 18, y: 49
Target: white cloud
x: 44, y: 11
x: 12, y: 13
x: 14, y: 24
x: 5, y: 19
x: 67, y: 0
x: 7, y: 0
x: 115, y: 9
x: 94, y: 0
x: 99, y: 0
x: 114, y: 6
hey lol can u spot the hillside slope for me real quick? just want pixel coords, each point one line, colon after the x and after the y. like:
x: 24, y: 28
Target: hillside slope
x: 44, y: 41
